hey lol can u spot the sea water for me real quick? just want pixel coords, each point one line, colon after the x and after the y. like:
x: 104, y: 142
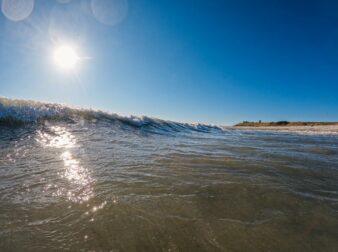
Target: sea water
x: 85, y: 180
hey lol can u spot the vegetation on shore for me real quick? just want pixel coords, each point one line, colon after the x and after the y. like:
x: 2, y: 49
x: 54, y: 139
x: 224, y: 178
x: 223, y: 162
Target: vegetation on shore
x: 283, y: 123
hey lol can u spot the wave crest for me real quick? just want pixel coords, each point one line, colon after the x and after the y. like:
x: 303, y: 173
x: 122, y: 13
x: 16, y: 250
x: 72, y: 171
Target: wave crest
x: 21, y: 112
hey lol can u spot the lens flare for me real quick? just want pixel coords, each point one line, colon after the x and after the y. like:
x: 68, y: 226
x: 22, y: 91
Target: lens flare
x: 109, y: 12
x: 17, y: 10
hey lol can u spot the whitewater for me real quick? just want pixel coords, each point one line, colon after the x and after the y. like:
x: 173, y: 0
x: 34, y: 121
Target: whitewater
x: 86, y: 180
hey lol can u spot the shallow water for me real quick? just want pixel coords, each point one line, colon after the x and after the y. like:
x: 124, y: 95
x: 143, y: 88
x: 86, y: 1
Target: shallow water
x: 102, y: 185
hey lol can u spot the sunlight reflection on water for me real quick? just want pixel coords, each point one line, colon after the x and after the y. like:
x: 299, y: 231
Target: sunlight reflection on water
x: 108, y: 186
x: 58, y: 137
x: 79, y: 177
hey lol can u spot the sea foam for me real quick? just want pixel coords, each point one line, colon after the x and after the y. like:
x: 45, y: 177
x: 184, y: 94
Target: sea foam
x: 13, y: 111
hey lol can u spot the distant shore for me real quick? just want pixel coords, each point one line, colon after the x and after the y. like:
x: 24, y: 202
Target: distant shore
x: 284, y: 124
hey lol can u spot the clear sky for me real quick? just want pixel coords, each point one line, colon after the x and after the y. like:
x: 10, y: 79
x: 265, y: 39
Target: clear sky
x: 216, y: 62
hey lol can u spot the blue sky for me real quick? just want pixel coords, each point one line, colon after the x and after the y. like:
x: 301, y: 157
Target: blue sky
x: 216, y: 62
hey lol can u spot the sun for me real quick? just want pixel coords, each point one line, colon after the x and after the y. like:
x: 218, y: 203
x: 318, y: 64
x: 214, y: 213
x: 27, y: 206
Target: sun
x: 65, y: 57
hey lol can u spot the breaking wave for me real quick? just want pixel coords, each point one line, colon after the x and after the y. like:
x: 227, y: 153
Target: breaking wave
x: 22, y: 112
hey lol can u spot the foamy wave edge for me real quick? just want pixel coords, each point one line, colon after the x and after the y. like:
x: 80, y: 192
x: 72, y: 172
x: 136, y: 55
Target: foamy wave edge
x: 18, y: 112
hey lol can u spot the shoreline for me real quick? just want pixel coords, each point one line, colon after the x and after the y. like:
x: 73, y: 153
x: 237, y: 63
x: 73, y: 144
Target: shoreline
x: 333, y: 128
x: 284, y: 124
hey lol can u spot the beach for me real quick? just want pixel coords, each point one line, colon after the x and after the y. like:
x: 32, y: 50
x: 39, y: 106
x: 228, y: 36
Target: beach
x: 316, y: 129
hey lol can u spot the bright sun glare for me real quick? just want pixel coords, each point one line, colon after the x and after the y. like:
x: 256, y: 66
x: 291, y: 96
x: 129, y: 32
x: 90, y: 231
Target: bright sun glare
x: 66, y: 57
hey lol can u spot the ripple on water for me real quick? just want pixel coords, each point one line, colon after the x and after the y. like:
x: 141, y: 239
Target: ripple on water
x: 98, y: 186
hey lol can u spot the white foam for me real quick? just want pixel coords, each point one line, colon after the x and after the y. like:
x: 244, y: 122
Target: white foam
x: 32, y: 111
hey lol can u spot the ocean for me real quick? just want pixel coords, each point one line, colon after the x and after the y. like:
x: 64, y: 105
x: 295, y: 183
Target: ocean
x: 85, y: 180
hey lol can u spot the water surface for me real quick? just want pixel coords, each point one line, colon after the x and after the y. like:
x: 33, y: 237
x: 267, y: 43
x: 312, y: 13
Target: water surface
x: 98, y: 182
